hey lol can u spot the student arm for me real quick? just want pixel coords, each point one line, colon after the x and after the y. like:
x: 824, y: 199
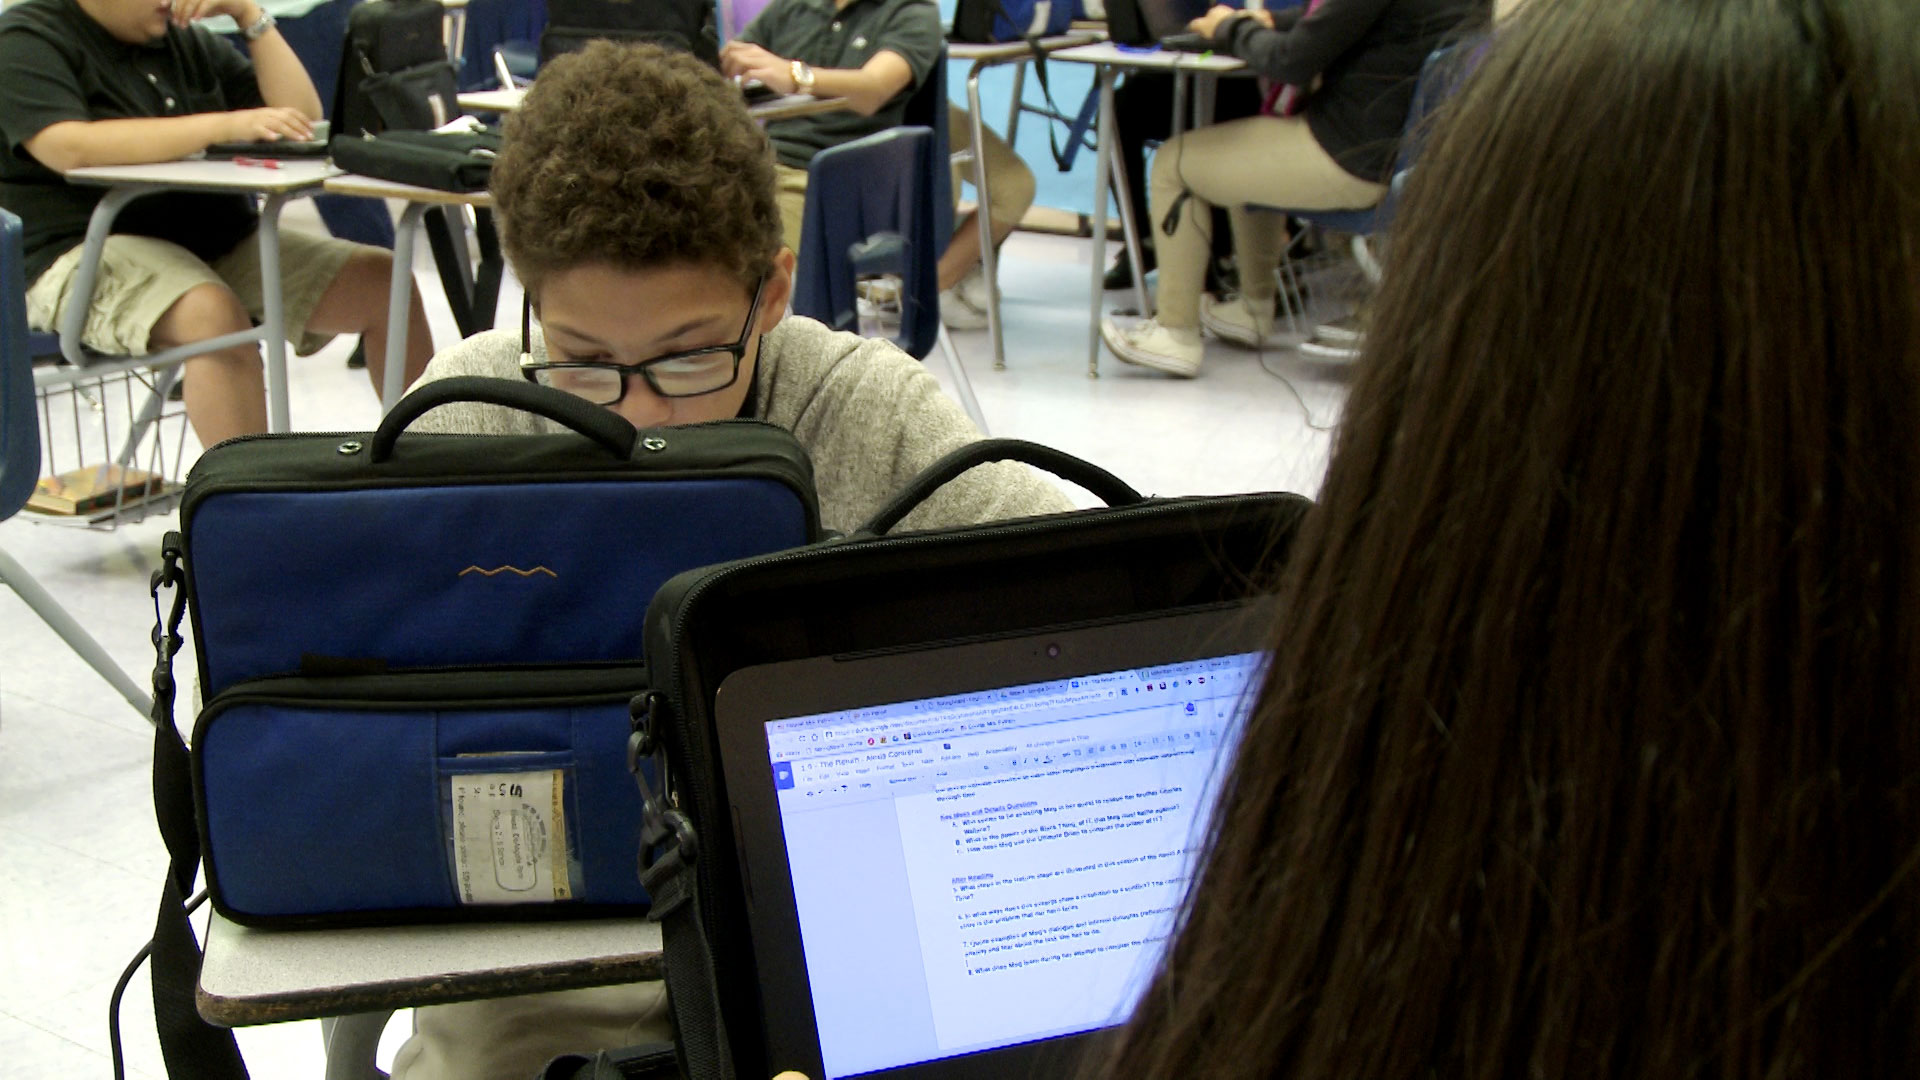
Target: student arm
x: 1298, y: 54
x: 866, y: 88
x: 282, y: 80
x: 77, y: 144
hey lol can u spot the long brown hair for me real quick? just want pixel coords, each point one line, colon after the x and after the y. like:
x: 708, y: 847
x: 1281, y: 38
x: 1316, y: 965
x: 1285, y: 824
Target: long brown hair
x: 1590, y: 748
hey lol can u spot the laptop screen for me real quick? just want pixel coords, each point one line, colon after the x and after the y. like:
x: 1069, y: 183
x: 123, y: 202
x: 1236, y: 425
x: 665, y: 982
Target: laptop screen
x: 979, y: 870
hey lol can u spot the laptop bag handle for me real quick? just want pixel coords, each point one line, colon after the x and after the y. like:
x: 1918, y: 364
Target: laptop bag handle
x: 602, y: 425
x: 1109, y: 488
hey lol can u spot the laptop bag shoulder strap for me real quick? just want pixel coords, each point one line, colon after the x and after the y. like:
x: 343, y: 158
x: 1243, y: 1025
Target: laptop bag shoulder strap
x: 1107, y: 487
x: 189, y: 1045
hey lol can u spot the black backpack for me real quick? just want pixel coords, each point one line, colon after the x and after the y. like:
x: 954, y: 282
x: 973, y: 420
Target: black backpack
x: 394, y: 57
x: 686, y: 25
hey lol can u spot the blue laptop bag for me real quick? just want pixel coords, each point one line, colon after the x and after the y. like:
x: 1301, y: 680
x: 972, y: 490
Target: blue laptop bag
x: 416, y: 654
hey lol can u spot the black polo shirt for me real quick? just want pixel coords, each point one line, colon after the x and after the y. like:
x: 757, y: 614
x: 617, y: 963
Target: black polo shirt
x: 57, y: 64
x: 813, y: 31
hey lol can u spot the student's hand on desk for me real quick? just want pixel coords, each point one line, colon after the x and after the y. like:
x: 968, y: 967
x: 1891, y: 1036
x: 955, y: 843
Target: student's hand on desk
x: 266, y: 125
x: 244, y: 12
x: 790, y: 1076
x: 1210, y: 23
x: 753, y: 62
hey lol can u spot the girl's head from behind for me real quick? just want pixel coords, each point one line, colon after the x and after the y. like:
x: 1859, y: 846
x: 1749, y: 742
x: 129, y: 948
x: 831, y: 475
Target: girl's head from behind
x: 1590, y: 745
x: 635, y: 202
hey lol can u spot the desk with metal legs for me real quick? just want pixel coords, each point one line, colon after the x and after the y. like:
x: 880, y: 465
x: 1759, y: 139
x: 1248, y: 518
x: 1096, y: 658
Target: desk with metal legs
x: 1108, y: 60
x: 285, y: 181
x: 1017, y: 54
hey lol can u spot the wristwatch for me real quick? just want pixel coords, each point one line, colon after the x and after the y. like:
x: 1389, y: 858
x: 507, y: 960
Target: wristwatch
x: 802, y: 77
x: 260, y: 26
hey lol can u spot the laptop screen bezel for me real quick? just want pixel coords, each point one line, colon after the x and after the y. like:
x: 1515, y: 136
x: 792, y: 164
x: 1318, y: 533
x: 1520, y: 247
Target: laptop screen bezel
x: 750, y: 698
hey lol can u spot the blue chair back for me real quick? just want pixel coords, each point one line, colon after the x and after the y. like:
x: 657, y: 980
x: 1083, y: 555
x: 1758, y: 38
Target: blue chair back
x: 882, y: 204
x: 927, y: 108
x: 19, y: 427
x: 870, y: 210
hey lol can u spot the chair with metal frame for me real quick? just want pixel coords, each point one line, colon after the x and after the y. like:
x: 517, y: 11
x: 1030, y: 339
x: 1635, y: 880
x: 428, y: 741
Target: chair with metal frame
x: 20, y: 441
x: 882, y: 205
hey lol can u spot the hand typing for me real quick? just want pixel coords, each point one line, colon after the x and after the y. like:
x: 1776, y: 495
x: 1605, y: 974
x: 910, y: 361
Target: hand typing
x: 266, y: 125
x: 1209, y: 24
x: 751, y: 61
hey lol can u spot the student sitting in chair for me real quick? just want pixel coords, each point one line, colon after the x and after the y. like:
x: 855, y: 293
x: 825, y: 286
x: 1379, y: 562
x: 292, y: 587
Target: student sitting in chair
x: 649, y: 243
x: 125, y: 82
x: 875, y: 54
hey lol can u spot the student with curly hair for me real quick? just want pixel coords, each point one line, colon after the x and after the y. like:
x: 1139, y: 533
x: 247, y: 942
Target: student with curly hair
x: 648, y: 239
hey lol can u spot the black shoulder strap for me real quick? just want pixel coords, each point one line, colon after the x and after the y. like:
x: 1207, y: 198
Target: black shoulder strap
x: 669, y: 850
x: 191, y: 1046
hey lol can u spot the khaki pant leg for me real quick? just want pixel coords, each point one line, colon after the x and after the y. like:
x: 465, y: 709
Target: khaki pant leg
x: 308, y: 265
x: 790, y: 193
x: 512, y: 1038
x: 1264, y: 160
x: 1009, y: 180
x: 139, y: 279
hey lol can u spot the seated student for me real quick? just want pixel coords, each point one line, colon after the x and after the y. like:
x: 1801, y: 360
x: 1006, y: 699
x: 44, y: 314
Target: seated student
x: 122, y: 82
x: 643, y: 235
x: 874, y: 53
x: 1588, y: 748
x: 1344, y: 75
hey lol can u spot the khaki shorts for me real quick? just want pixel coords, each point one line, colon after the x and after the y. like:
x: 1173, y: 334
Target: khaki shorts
x: 141, y: 277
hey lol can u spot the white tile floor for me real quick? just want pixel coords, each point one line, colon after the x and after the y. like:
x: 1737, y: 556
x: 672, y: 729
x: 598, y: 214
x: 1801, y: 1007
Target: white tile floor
x: 80, y: 862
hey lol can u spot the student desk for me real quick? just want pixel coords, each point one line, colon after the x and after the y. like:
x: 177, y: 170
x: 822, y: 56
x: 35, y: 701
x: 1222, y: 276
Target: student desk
x: 780, y: 108
x: 486, y: 284
x: 1108, y: 59
x: 254, y: 976
x: 341, y: 976
x: 1017, y: 54
x: 288, y: 180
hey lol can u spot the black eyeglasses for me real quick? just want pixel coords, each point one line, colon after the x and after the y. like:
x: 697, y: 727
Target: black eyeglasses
x: 674, y: 375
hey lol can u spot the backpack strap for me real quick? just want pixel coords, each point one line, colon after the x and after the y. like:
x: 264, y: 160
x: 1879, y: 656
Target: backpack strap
x: 190, y: 1045
x: 669, y: 849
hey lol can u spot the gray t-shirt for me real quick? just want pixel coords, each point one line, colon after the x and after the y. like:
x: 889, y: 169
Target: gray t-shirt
x: 815, y: 32
x: 869, y: 416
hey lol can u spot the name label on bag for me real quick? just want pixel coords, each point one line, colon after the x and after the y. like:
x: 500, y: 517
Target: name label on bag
x: 510, y: 837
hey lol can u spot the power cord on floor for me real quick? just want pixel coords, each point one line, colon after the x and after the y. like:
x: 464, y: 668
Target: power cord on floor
x: 120, y: 991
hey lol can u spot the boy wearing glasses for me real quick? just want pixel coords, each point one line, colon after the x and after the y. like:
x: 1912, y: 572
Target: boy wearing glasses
x: 649, y: 242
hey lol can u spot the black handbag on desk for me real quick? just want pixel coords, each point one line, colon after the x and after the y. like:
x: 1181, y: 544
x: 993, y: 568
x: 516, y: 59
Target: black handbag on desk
x: 867, y: 598
x: 443, y: 161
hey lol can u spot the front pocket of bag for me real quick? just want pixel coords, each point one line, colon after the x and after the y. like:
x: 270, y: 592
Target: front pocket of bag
x: 340, y: 807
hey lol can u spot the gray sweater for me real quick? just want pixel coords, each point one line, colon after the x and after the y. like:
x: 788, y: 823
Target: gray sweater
x: 869, y: 415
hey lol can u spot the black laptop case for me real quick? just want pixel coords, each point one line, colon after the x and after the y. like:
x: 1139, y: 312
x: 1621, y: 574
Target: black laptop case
x: 873, y: 591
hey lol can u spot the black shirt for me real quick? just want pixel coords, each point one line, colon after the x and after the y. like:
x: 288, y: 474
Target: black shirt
x: 57, y: 64
x: 814, y: 32
x: 1367, y: 55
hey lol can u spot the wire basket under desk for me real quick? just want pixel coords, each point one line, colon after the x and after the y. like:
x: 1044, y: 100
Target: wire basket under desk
x: 111, y: 413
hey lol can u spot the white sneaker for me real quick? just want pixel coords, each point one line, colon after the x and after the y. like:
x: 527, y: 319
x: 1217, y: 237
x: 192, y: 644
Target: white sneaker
x: 1333, y: 352
x: 964, y: 307
x: 1241, y: 321
x: 1162, y: 348
x: 959, y: 311
x: 1345, y: 330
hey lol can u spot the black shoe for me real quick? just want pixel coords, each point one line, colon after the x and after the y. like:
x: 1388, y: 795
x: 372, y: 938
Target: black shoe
x: 358, y: 358
x: 1121, y: 275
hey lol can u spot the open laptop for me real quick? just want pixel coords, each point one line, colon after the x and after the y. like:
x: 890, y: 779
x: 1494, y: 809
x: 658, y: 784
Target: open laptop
x: 961, y: 861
